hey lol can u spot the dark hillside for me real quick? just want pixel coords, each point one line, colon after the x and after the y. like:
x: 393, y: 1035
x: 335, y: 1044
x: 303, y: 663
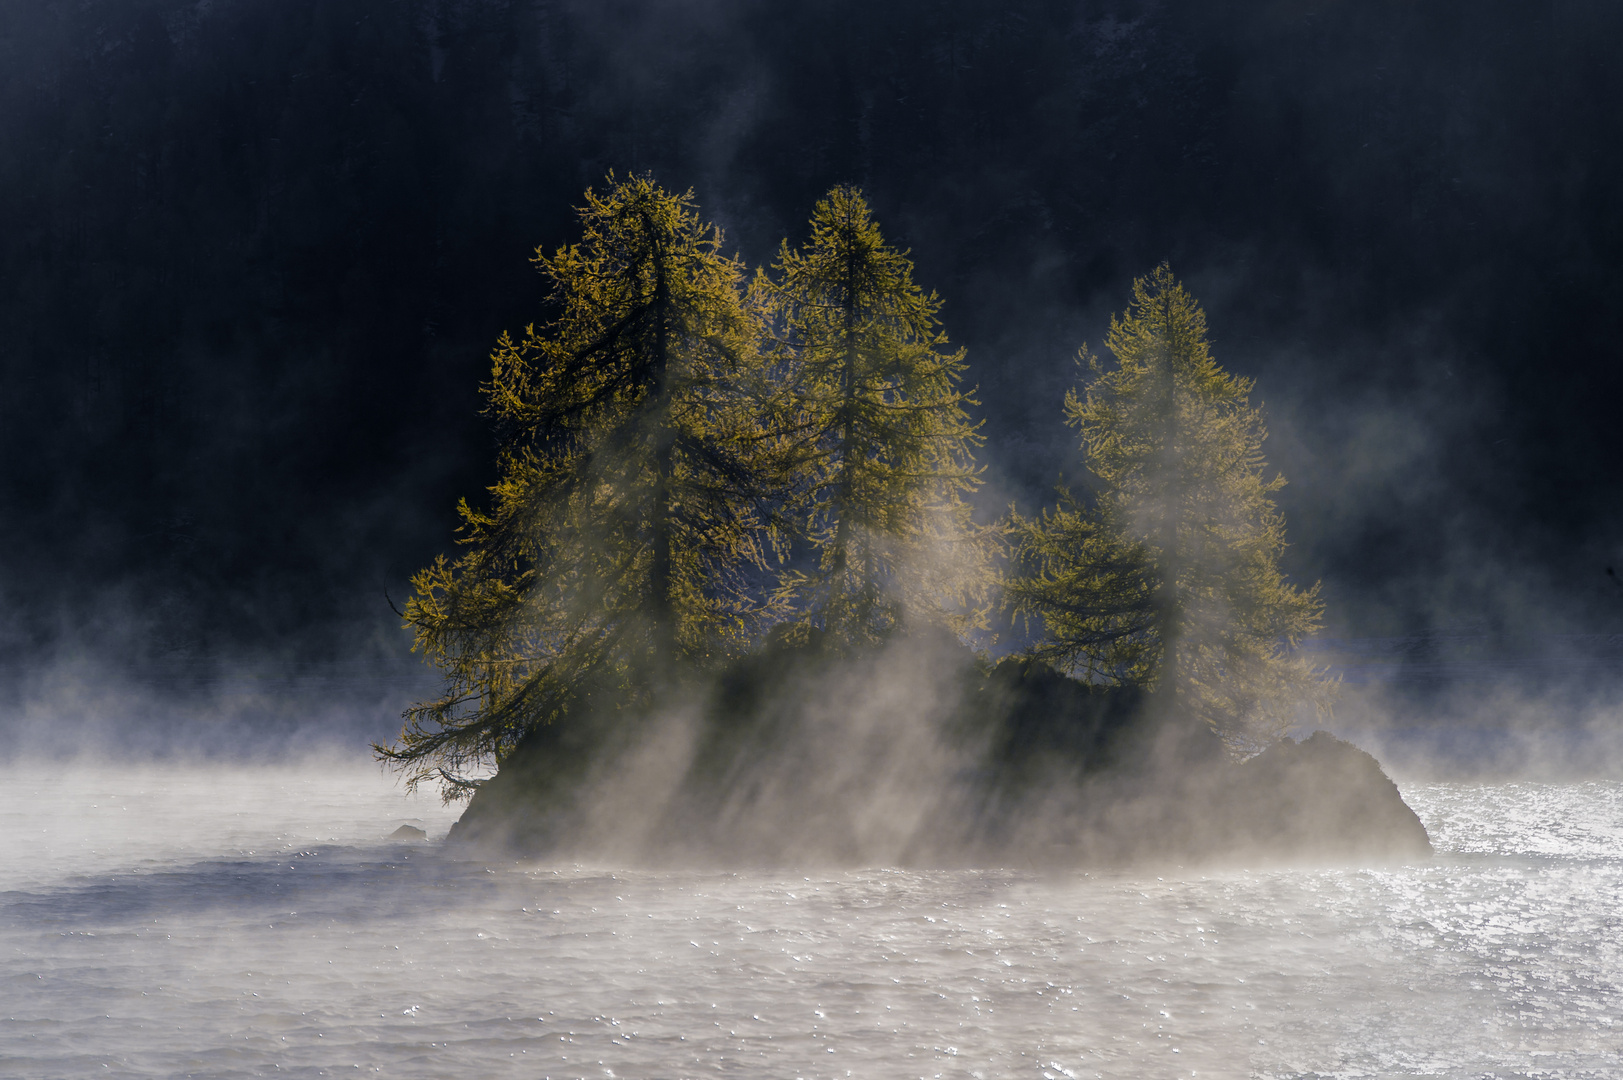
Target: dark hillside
x: 255, y: 253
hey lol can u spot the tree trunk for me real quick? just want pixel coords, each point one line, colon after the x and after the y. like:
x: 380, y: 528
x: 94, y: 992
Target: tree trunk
x: 661, y: 577
x: 844, y: 499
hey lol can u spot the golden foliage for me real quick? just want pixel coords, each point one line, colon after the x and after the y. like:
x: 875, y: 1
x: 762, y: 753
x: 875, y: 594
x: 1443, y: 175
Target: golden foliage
x: 883, y: 441
x: 1170, y: 579
x: 640, y: 453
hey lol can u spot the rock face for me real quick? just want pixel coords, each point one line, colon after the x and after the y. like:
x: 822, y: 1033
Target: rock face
x: 799, y: 759
x: 1321, y: 798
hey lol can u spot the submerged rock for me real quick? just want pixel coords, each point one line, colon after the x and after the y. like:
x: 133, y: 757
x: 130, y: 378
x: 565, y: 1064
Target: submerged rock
x: 408, y: 832
x: 916, y: 755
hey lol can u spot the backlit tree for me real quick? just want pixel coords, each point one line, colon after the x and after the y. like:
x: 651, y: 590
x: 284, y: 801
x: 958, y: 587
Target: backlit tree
x: 636, y: 493
x: 885, y: 443
x: 1169, y: 577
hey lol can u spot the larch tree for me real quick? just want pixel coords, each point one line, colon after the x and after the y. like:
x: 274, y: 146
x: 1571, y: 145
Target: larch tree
x: 885, y: 442
x: 636, y: 497
x: 1169, y: 577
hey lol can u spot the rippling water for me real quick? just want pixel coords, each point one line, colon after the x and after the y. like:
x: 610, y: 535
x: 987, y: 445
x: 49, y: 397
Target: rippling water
x: 254, y: 922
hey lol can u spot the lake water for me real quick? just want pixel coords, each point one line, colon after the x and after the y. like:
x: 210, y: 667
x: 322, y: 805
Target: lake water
x: 233, y: 921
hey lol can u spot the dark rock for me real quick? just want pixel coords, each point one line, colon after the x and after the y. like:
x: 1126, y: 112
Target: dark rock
x: 408, y: 832
x: 916, y: 755
x: 1321, y: 798
x: 538, y: 801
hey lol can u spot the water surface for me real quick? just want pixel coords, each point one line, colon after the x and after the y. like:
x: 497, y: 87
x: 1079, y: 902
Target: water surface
x: 229, y: 921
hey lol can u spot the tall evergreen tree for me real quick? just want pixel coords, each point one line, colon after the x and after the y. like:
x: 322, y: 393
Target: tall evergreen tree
x: 886, y: 446
x: 1169, y: 578
x: 635, y: 493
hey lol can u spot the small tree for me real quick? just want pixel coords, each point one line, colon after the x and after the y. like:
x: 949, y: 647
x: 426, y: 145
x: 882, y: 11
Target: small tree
x: 1170, y: 578
x: 885, y: 444
x: 635, y: 493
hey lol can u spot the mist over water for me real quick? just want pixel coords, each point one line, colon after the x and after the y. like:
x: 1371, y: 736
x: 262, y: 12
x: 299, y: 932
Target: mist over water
x: 249, y: 921
x: 261, y: 251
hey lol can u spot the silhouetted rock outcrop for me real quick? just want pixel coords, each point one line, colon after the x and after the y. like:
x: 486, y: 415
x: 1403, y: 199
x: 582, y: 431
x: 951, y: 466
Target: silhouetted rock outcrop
x: 1320, y: 798
x: 917, y: 755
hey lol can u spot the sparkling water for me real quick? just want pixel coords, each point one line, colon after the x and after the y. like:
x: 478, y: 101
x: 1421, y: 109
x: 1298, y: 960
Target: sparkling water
x: 234, y: 921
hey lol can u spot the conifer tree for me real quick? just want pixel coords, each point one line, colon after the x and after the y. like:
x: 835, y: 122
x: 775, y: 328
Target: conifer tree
x: 635, y: 493
x: 885, y: 444
x: 1169, y: 577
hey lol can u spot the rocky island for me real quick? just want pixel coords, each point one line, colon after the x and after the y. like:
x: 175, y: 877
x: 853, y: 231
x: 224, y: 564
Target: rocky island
x: 1018, y: 765
x: 731, y: 600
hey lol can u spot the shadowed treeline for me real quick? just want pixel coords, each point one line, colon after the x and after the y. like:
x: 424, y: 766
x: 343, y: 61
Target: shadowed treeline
x: 255, y: 254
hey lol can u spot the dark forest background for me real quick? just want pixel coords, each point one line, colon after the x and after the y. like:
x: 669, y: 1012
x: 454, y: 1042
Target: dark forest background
x: 254, y: 254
